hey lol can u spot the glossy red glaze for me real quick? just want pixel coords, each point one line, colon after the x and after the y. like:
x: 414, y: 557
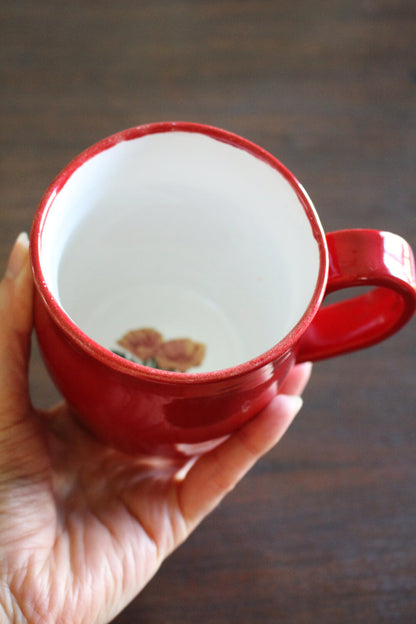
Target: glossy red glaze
x: 134, y: 413
x: 362, y: 258
x: 143, y: 410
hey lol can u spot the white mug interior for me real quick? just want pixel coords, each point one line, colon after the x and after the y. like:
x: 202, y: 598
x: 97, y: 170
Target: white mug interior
x: 186, y: 234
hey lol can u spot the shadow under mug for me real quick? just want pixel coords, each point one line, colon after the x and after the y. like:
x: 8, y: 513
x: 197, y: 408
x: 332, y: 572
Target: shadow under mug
x: 198, y: 233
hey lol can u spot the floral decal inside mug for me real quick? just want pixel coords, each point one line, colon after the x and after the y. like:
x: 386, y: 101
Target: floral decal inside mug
x: 147, y: 346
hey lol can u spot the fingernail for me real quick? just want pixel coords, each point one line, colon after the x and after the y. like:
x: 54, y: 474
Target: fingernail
x: 18, y: 256
x: 297, y: 403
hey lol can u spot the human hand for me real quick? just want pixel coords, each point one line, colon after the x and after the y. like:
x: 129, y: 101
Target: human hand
x: 83, y: 527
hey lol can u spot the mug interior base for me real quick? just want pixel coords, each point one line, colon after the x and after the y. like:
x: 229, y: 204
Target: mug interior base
x: 174, y: 312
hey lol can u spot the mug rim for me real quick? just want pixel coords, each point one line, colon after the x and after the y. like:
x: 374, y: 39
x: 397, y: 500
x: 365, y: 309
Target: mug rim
x: 104, y: 355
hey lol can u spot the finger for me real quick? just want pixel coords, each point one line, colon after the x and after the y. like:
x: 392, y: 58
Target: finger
x: 16, y: 321
x: 217, y: 473
x: 296, y: 381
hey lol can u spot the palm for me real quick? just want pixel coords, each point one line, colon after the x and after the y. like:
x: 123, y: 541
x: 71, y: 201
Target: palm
x: 93, y: 527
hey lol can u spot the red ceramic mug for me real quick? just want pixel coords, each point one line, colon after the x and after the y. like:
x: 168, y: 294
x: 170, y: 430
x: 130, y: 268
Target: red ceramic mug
x: 184, y: 247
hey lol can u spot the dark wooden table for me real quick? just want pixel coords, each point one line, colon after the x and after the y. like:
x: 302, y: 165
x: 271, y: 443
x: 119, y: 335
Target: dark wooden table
x: 323, y: 530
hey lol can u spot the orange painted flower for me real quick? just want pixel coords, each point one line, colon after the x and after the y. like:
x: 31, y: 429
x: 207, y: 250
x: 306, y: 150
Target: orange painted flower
x: 179, y: 354
x: 143, y: 343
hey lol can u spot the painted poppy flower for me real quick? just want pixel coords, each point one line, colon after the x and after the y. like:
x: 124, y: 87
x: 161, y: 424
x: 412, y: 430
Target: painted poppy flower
x: 143, y: 343
x: 179, y: 354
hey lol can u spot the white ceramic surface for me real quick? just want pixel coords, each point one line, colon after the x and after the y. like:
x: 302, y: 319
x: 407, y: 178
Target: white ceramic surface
x: 187, y: 234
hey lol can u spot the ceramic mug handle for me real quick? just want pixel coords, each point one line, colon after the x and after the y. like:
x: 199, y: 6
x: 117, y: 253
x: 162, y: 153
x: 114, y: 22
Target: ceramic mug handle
x: 362, y: 258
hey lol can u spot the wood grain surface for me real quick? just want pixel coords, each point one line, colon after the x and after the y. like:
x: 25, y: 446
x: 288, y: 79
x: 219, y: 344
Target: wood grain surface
x: 323, y: 530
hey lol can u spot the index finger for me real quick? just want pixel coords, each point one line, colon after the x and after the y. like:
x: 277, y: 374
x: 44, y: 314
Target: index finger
x: 215, y: 474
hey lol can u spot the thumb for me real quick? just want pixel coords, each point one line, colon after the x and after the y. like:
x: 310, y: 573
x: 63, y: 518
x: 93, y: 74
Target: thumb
x: 16, y: 321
